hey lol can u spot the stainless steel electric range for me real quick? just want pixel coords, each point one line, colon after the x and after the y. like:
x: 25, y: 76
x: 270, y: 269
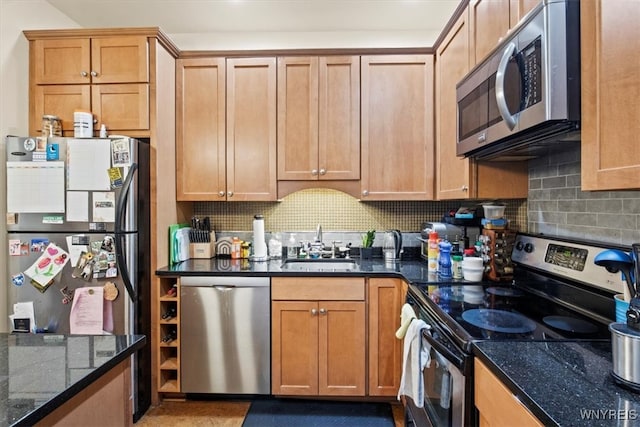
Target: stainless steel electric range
x: 557, y: 293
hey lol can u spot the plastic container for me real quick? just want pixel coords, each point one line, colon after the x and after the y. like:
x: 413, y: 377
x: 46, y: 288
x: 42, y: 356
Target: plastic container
x: 472, y: 262
x: 472, y: 274
x: 621, y: 308
x: 493, y: 211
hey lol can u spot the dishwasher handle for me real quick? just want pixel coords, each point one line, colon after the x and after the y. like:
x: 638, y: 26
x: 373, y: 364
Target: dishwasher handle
x: 224, y: 282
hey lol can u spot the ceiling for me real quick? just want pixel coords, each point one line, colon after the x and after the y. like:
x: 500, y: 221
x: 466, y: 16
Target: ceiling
x: 389, y: 17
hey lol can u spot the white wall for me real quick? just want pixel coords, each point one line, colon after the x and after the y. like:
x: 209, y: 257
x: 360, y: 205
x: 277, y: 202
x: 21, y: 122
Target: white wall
x: 16, y: 16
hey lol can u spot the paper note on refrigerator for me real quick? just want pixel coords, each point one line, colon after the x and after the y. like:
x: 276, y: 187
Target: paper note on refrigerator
x: 35, y: 187
x: 88, y: 162
x: 87, y: 311
x: 104, y: 206
x: 77, y: 206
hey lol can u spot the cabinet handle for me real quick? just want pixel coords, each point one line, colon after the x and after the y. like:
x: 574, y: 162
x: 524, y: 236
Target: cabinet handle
x: 230, y: 193
x: 365, y: 192
x: 464, y: 188
x: 94, y: 74
x: 84, y: 73
x: 221, y: 193
x: 314, y: 172
x: 314, y: 311
x: 323, y: 311
x: 323, y: 171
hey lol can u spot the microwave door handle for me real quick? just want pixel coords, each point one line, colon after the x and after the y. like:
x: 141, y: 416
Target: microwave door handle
x: 501, y: 100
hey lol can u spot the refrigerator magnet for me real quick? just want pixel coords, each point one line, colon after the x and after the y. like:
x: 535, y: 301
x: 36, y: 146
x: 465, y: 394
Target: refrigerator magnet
x: 115, y: 177
x: 110, y: 291
x: 14, y: 247
x: 17, y: 279
x: 120, y: 152
x: 39, y: 245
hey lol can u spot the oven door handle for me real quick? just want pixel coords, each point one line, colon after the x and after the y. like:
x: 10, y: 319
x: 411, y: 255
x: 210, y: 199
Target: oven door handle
x: 448, y: 354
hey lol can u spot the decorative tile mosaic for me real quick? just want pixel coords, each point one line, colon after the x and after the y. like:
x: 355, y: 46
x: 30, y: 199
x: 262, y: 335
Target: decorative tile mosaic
x: 337, y: 211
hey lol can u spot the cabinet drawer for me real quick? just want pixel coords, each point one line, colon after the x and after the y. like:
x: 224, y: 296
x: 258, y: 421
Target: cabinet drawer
x: 317, y: 288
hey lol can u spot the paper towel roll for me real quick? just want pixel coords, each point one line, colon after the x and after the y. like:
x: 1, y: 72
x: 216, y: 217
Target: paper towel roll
x: 259, y: 242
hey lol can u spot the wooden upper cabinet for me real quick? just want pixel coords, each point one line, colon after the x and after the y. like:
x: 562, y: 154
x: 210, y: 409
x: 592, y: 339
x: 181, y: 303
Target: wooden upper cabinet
x: 200, y: 129
x: 226, y: 129
x: 107, y: 75
x: 453, y: 173
x: 488, y: 22
x: 251, y: 129
x: 458, y: 177
x: 123, y: 59
x: 397, y: 127
x: 318, y: 118
x: 519, y: 8
x: 610, y: 42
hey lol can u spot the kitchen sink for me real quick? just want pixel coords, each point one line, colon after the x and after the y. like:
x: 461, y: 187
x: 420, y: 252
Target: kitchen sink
x: 320, y: 265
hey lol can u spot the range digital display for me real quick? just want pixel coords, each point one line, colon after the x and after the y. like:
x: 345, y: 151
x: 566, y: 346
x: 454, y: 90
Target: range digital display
x: 566, y: 256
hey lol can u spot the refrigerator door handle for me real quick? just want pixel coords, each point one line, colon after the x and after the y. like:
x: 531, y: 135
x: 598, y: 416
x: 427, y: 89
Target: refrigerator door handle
x: 122, y: 262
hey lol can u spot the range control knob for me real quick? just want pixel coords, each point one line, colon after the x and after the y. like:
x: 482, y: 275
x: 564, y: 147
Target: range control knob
x: 519, y: 245
x: 528, y: 248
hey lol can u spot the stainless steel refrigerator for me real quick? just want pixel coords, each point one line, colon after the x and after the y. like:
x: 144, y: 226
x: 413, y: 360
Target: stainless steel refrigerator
x: 78, y: 220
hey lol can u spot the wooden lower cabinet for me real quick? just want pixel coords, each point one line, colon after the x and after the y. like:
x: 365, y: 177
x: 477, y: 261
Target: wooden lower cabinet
x: 386, y: 296
x: 318, y: 346
x: 496, y: 405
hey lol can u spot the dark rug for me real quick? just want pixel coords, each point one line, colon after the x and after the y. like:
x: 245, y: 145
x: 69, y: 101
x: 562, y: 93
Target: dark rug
x: 307, y: 413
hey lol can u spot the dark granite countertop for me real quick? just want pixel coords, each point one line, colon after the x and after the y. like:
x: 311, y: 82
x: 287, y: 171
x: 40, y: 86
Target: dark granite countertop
x: 39, y: 372
x: 562, y: 383
x: 412, y: 270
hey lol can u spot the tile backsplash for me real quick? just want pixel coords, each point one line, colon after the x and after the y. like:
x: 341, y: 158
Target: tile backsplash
x: 558, y: 206
x: 338, y: 211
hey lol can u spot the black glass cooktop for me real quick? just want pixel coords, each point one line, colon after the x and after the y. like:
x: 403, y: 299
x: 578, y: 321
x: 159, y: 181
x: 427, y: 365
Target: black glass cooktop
x: 499, y: 311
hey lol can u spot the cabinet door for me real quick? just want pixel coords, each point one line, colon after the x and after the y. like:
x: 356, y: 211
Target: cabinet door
x: 121, y: 107
x: 342, y: 351
x: 61, y: 100
x: 120, y: 59
x: 496, y: 405
x: 519, y: 8
x: 298, y: 118
x: 251, y: 129
x: 339, y: 118
x: 489, y: 22
x: 64, y: 61
x: 453, y: 173
x: 386, y: 297
x: 610, y: 40
x: 294, y: 348
x: 397, y: 127
x: 200, y: 129
x: 457, y: 177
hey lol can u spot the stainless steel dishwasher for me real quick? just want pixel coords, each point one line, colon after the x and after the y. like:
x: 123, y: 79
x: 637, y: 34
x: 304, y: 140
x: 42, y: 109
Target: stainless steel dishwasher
x: 225, y: 335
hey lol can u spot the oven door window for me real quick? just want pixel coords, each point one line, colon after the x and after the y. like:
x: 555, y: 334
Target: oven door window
x: 438, y: 390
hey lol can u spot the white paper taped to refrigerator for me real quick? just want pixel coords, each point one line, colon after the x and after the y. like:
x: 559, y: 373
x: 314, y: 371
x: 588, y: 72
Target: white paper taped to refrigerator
x: 88, y: 163
x: 35, y: 187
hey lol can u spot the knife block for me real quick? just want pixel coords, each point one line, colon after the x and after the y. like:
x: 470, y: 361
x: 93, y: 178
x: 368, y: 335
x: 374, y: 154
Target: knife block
x: 203, y: 250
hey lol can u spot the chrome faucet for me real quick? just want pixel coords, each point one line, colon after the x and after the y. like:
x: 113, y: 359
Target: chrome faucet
x: 319, y: 233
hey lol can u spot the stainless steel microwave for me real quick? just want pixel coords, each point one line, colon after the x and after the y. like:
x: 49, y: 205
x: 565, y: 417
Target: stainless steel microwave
x: 523, y: 99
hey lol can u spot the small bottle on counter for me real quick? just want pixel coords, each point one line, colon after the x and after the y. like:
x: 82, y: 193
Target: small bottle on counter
x: 432, y: 252
x: 236, y: 248
x: 292, y: 252
x: 456, y: 260
x: 445, y: 260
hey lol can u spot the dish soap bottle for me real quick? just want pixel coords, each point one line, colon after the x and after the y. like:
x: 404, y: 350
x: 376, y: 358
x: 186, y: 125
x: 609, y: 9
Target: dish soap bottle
x: 292, y: 252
